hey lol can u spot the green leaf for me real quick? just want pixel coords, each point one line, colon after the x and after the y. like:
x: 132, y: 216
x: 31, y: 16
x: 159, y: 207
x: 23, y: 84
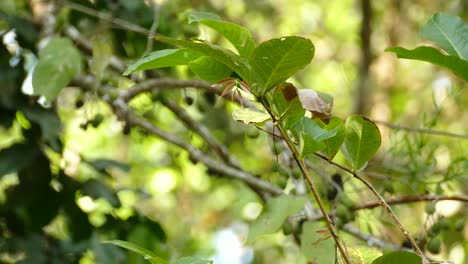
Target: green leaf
x: 192, y: 260
x: 148, y: 255
x: 286, y: 105
x: 312, y: 136
x: 316, y: 246
x: 275, y: 60
x: 239, y: 36
x: 209, y: 69
x: 16, y: 157
x: 333, y: 144
x: 59, y: 61
x: 432, y: 55
x: 102, y: 164
x: 163, y: 58
x: 362, y: 254
x: 449, y: 32
x: 274, y: 213
x: 247, y: 116
x: 400, y: 257
x: 200, y: 16
x: 361, y: 142
x: 222, y: 55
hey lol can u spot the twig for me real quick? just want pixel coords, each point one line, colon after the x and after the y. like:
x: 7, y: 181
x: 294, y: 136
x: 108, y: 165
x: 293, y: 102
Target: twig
x: 107, y: 17
x: 381, y: 202
x: 372, y: 241
x: 413, y: 199
x: 201, y: 130
x: 152, y: 84
x: 421, y: 130
x: 124, y: 112
x: 154, y: 26
x: 306, y: 175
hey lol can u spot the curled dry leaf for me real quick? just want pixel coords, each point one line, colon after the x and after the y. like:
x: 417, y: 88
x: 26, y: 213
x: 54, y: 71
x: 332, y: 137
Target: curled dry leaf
x: 318, y: 103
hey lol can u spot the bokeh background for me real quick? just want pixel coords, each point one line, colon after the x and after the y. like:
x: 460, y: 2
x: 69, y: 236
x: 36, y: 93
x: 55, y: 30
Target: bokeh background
x: 111, y: 181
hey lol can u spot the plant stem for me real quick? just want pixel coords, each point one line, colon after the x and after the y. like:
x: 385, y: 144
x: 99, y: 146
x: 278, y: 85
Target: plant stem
x: 310, y: 182
x: 382, y: 203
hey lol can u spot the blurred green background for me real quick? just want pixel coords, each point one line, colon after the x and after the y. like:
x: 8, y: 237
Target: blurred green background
x: 69, y: 183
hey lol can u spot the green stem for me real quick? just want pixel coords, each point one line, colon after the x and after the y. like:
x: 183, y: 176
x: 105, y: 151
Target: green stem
x: 305, y: 173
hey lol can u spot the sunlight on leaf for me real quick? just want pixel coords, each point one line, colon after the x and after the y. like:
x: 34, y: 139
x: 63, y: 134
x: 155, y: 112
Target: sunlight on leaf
x: 247, y: 116
x: 400, y: 257
x: 146, y: 254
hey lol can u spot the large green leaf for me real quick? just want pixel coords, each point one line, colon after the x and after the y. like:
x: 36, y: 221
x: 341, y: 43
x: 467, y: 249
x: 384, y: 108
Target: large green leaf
x: 247, y: 116
x: 312, y: 136
x: 192, y: 260
x: 274, y: 213
x: 429, y: 54
x: 222, y: 55
x: 361, y: 142
x: 275, y: 60
x: 239, y: 36
x: 400, y: 257
x: 449, y: 32
x: 209, y: 69
x: 16, y: 157
x: 333, y: 144
x: 163, y: 58
x: 59, y: 61
x: 148, y: 255
x: 316, y: 244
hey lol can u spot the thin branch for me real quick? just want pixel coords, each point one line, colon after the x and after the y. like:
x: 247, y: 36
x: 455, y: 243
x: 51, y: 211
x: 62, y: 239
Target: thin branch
x: 166, y: 83
x: 201, y: 130
x: 372, y: 241
x: 414, y: 199
x: 308, y: 179
x: 124, y: 112
x: 381, y: 202
x: 421, y: 130
x: 154, y: 26
x: 107, y: 17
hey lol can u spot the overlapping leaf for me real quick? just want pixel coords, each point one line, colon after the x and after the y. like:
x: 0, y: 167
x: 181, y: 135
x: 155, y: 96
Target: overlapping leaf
x: 361, y: 142
x: 163, y: 58
x: 222, y: 55
x: 247, y: 116
x: 312, y: 136
x: 333, y: 144
x: 239, y: 36
x: 209, y: 69
x: 432, y: 55
x: 449, y: 32
x: 59, y: 61
x: 275, y: 60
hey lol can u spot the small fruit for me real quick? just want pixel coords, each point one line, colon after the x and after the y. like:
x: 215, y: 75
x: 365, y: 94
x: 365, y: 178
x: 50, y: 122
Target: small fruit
x: 459, y: 225
x: 188, y: 100
x: 287, y: 228
x: 253, y: 133
x: 97, y: 120
x: 434, y: 245
x: 434, y: 230
x: 388, y: 187
x: 444, y: 224
x: 430, y: 208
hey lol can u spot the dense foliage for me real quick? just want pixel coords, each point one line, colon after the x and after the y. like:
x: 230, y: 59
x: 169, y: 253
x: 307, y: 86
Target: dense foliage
x: 109, y: 137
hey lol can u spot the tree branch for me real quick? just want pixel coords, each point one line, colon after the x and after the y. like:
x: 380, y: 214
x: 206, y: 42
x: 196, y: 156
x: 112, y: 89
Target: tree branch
x: 124, y: 112
x: 414, y: 199
x: 201, y: 130
x: 421, y: 130
x: 107, y: 17
x: 382, y: 203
